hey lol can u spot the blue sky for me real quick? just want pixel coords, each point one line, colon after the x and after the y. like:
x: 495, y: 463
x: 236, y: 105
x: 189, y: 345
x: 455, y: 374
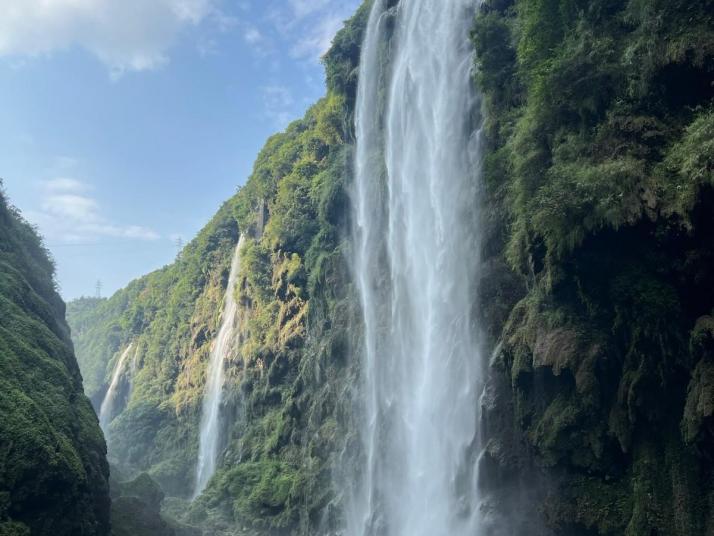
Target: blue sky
x: 126, y: 123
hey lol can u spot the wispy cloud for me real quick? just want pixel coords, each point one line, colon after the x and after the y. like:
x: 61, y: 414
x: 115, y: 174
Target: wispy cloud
x: 68, y: 213
x: 260, y: 43
x: 311, y: 25
x: 298, y: 32
x: 318, y: 38
x: 278, y: 102
x: 64, y: 184
x: 127, y: 35
x: 252, y: 35
x: 302, y: 8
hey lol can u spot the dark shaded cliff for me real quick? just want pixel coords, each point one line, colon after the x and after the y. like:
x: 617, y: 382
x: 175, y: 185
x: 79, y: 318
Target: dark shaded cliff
x: 53, y: 471
x: 599, y: 170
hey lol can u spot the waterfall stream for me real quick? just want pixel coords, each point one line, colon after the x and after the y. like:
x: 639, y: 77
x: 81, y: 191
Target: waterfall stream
x: 108, y: 408
x: 210, y: 428
x: 415, y: 263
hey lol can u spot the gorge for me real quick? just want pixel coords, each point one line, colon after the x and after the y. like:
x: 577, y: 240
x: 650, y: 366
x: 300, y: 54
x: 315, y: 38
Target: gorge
x: 470, y: 292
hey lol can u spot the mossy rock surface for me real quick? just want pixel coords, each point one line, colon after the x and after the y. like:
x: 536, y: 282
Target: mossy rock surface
x: 53, y: 469
x: 598, y: 174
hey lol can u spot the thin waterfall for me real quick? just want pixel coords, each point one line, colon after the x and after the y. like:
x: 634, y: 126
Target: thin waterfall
x: 108, y: 408
x: 209, y: 437
x: 415, y: 265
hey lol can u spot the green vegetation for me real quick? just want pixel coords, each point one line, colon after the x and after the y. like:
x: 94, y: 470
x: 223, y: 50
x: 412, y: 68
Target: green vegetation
x: 597, y: 282
x: 599, y: 127
x: 53, y: 472
x: 170, y: 316
x: 277, y: 471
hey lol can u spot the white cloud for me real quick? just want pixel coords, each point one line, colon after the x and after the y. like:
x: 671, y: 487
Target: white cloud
x: 223, y: 22
x: 64, y: 184
x: 261, y: 44
x: 124, y: 34
x: 302, y: 31
x: 278, y: 103
x: 252, y: 35
x: 71, y: 207
x: 302, y: 8
x: 68, y: 214
x: 319, y: 37
x: 311, y: 25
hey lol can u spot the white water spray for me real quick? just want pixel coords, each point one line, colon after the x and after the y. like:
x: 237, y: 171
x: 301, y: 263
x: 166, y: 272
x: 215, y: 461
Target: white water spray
x: 108, y: 408
x: 210, y: 418
x: 415, y: 264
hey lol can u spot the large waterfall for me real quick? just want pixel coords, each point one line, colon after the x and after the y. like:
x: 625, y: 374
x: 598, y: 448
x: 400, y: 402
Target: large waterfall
x: 416, y: 264
x: 108, y: 408
x: 209, y: 437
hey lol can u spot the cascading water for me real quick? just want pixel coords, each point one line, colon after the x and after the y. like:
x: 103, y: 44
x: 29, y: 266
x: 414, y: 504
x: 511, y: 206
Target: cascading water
x: 415, y: 264
x: 107, y: 409
x: 210, y: 418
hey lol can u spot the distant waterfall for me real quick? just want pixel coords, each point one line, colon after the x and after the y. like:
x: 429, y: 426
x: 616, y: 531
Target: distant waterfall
x: 210, y: 418
x: 108, y: 408
x: 416, y: 265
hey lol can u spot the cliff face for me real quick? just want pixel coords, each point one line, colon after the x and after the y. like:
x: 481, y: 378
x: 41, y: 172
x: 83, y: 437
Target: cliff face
x: 597, y: 292
x: 53, y: 471
x: 599, y: 176
x: 168, y: 317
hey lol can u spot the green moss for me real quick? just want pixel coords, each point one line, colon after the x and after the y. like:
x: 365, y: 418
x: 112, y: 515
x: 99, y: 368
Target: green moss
x: 689, y: 164
x: 598, y: 119
x: 53, y: 474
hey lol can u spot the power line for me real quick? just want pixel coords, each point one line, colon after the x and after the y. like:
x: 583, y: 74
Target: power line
x: 110, y: 244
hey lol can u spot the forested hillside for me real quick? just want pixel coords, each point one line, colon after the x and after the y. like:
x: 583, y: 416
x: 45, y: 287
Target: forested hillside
x: 53, y: 469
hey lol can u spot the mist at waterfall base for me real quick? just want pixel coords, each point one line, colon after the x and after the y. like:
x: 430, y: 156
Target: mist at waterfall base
x: 416, y: 259
x: 210, y: 428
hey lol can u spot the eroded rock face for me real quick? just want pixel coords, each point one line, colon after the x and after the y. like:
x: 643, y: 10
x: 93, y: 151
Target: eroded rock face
x: 698, y: 421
